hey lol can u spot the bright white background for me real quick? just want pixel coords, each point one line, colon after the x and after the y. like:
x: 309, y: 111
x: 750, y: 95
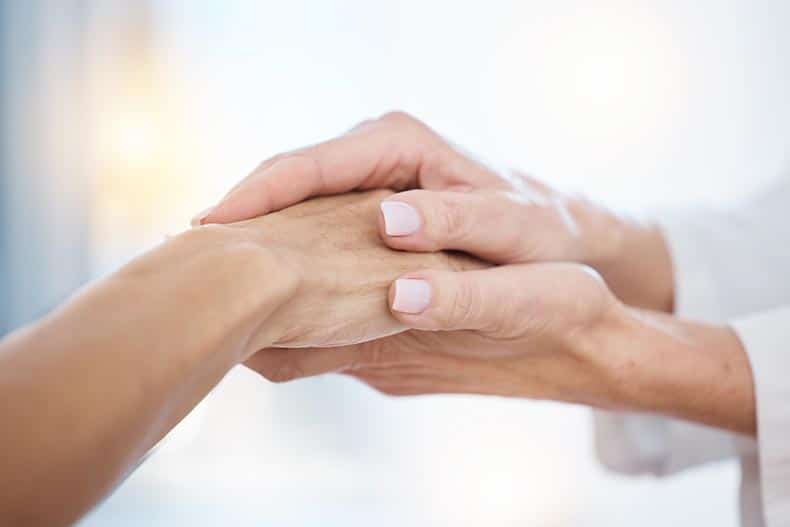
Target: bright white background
x: 645, y: 105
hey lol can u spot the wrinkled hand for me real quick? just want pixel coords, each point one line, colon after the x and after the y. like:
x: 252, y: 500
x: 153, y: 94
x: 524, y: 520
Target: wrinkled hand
x: 507, y: 217
x: 331, y: 249
x: 395, y: 151
x: 399, y: 152
x: 540, y: 330
x: 510, y: 329
x: 523, y: 330
x: 518, y: 329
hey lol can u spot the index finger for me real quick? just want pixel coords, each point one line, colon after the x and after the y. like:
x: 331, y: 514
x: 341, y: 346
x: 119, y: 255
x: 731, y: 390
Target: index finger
x: 375, y: 154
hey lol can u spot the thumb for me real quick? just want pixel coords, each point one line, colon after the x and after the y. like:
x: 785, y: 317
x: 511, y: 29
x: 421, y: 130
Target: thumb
x: 489, y: 224
x: 487, y: 300
x: 509, y: 301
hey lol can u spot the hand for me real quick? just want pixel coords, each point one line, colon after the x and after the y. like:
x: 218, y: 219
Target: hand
x: 543, y: 331
x: 100, y: 380
x: 525, y: 330
x: 331, y: 249
x: 539, y: 330
x: 468, y: 204
x: 395, y: 151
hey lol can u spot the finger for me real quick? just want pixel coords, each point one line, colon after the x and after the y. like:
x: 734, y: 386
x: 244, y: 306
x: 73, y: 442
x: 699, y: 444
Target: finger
x: 395, y: 151
x: 287, y: 364
x: 505, y: 301
x: 508, y: 302
x: 490, y: 225
x: 283, y: 365
x: 386, y: 153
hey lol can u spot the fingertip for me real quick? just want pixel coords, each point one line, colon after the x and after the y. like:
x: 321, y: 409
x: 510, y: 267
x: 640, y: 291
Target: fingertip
x: 413, y: 299
x: 201, y: 216
x: 411, y: 296
x: 399, y: 218
x: 241, y: 204
x: 284, y: 182
x: 404, y: 223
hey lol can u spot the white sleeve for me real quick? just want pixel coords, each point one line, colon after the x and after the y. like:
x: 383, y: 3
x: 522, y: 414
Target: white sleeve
x: 726, y: 265
x: 766, y: 338
x: 731, y: 264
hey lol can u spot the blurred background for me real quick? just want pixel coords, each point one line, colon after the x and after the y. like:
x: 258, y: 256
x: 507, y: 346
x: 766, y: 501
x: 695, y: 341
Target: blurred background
x: 120, y: 119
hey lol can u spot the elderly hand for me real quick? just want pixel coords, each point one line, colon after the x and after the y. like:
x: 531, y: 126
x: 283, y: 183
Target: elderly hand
x: 543, y: 331
x: 519, y: 329
x: 506, y: 217
x: 331, y: 249
x: 525, y: 330
x: 546, y: 330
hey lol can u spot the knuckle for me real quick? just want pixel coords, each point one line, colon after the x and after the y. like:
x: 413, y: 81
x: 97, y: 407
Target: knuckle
x: 266, y: 163
x: 304, y: 164
x: 462, y: 310
x: 398, y: 117
x: 450, y: 225
x: 443, y: 260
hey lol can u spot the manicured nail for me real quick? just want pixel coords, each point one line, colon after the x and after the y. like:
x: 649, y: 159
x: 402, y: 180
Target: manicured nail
x: 198, y: 219
x: 400, y: 219
x: 411, y: 295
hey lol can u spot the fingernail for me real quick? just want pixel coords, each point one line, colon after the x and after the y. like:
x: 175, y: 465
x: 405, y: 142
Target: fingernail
x: 411, y: 295
x: 198, y: 219
x: 400, y: 219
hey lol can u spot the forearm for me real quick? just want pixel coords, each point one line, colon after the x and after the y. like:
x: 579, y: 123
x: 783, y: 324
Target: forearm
x: 659, y: 364
x: 92, y: 387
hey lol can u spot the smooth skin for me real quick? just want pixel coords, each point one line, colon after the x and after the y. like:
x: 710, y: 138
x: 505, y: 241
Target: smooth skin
x: 597, y: 332
x: 88, y: 390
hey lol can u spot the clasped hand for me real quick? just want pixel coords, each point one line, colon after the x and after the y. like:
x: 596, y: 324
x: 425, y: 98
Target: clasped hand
x: 525, y: 325
x: 566, y: 300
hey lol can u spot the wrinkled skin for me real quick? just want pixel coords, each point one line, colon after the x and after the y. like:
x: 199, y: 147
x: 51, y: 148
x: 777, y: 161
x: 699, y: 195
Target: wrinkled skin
x: 548, y: 330
x: 334, y: 245
x: 460, y: 197
x: 540, y: 353
x: 343, y: 270
x: 98, y: 382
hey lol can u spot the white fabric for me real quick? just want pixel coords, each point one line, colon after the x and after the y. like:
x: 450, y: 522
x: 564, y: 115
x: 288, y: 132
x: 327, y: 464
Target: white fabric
x: 729, y: 267
x: 766, y: 338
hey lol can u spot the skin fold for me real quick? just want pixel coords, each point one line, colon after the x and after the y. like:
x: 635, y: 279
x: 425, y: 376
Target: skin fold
x: 88, y: 390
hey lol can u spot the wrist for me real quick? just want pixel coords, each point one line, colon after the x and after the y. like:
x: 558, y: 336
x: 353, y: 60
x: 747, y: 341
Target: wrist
x: 223, y: 284
x: 598, y: 350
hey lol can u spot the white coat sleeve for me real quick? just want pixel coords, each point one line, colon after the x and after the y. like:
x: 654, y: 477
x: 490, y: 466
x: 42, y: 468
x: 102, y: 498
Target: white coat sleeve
x: 766, y: 338
x: 726, y: 265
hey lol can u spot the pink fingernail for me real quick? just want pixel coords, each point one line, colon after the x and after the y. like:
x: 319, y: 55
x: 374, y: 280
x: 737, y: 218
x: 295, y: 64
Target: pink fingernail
x: 411, y: 295
x: 400, y: 219
x: 198, y: 219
